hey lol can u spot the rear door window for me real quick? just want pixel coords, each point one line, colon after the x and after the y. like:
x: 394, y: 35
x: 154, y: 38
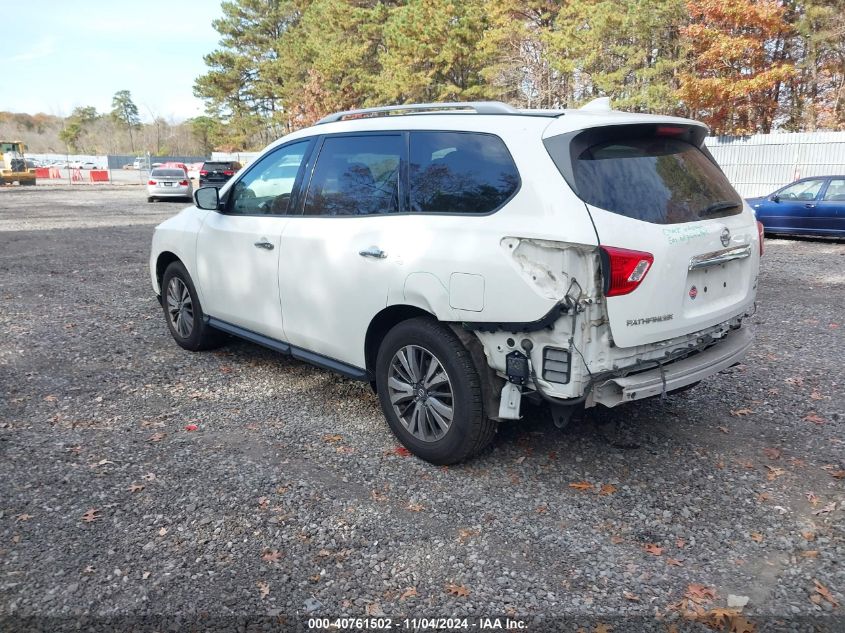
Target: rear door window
x: 356, y: 175
x: 645, y: 174
x: 835, y: 191
x: 460, y: 172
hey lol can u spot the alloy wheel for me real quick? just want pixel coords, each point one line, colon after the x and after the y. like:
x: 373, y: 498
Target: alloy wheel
x: 180, y: 308
x: 421, y: 393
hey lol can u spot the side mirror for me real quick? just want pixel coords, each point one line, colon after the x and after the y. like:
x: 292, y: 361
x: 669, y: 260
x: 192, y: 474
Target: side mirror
x: 775, y: 198
x: 207, y: 198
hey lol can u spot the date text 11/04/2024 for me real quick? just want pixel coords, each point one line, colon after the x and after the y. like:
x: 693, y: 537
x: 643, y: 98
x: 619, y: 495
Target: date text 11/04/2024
x: 417, y: 624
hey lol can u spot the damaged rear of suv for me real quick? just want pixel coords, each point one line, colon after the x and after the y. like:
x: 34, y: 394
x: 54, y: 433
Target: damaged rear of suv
x: 463, y: 258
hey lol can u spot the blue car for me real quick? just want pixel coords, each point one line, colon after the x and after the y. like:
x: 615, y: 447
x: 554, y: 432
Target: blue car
x: 810, y: 206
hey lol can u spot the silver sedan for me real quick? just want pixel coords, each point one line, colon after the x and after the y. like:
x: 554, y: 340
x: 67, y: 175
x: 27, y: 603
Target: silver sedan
x: 168, y: 183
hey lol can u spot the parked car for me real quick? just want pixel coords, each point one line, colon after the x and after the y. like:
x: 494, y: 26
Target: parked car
x: 168, y: 183
x: 87, y: 164
x: 217, y: 172
x: 463, y: 262
x: 810, y: 206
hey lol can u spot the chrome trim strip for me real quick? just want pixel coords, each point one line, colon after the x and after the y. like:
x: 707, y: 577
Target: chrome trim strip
x: 720, y: 257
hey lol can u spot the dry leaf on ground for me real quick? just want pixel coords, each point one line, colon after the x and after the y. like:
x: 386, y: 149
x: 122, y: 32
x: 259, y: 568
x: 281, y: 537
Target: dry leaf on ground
x: 772, y: 453
x: 830, y: 507
x: 135, y: 487
x: 756, y: 537
x: 824, y: 592
x: 607, y: 489
x: 410, y: 592
x: 630, y: 596
x: 581, y: 485
x: 774, y: 473
x: 457, y: 590
x: 466, y: 533
x: 263, y: 588
x: 674, y: 562
x: 653, y: 549
x: 91, y: 515
x: 738, y: 413
x: 814, y: 417
x: 271, y: 556
x: 699, y: 592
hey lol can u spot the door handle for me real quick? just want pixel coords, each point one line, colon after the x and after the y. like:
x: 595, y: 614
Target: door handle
x: 810, y: 205
x: 264, y: 244
x: 374, y: 252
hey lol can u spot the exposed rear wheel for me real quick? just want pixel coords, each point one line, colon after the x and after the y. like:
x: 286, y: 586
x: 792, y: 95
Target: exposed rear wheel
x: 430, y: 392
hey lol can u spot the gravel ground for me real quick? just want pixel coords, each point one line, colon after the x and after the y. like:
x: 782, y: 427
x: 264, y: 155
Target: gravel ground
x: 291, y: 499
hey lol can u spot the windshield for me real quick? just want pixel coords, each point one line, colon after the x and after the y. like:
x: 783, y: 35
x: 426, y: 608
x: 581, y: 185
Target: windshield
x: 653, y: 178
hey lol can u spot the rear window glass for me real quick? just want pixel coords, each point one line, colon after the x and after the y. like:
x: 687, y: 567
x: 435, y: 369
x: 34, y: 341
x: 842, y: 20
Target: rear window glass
x: 460, y: 172
x: 656, y: 179
x: 168, y: 173
x: 218, y: 166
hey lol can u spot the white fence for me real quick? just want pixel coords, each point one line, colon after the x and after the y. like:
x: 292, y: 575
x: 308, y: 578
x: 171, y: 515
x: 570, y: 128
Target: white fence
x: 757, y: 165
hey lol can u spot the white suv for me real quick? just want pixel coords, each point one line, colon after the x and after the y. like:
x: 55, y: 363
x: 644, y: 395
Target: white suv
x: 464, y: 257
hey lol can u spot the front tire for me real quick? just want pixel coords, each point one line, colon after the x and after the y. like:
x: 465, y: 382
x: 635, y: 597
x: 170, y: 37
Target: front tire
x: 430, y: 392
x: 183, y: 312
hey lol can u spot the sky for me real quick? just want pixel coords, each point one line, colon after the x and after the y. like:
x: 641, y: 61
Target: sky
x: 56, y: 55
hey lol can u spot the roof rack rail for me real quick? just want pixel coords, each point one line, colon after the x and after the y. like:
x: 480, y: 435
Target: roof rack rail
x: 479, y: 107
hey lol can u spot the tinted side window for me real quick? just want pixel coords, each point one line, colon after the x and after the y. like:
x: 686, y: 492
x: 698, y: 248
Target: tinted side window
x: 356, y: 175
x: 267, y: 187
x: 460, y: 172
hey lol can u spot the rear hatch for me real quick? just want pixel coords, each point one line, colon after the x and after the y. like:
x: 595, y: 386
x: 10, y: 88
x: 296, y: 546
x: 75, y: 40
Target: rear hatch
x: 168, y: 178
x: 679, y: 248
x: 217, y: 172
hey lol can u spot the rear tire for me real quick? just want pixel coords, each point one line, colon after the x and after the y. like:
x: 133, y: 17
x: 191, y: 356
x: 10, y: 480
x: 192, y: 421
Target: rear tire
x: 183, y: 312
x: 424, y: 375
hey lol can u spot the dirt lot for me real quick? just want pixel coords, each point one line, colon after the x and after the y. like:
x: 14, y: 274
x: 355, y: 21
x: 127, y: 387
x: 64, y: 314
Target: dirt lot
x: 291, y: 500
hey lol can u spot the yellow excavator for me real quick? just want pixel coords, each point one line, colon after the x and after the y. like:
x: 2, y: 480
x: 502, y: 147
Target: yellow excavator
x: 13, y: 164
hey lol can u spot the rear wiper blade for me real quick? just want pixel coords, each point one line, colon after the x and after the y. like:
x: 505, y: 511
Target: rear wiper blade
x: 722, y: 205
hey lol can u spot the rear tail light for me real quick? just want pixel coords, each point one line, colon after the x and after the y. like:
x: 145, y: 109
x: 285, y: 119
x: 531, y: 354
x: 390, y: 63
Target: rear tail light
x: 760, y: 232
x: 183, y: 183
x: 228, y: 172
x: 624, y: 269
x: 203, y: 173
x: 152, y: 182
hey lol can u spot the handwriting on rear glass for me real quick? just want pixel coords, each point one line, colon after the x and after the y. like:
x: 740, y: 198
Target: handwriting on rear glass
x: 683, y: 234
x: 651, y: 319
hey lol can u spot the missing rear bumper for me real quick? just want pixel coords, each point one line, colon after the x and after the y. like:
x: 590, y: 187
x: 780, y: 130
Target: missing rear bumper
x: 676, y: 375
